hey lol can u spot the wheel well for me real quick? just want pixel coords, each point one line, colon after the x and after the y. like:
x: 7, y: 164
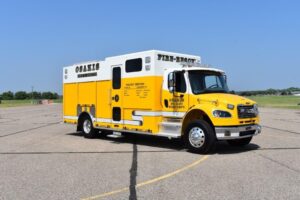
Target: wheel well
x: 195, y: 115
x: 81, y: 117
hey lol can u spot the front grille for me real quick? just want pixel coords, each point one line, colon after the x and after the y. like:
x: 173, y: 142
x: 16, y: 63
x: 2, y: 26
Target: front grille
x: 246, y: 111
x: 244, y: 133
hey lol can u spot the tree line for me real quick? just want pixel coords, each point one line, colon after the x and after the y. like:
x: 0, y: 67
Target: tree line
x: 288, y: 91
x: 21, y: 95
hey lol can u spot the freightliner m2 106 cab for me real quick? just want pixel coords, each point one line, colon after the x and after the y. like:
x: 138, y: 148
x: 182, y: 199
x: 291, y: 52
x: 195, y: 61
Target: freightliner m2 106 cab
x: 157, y: 93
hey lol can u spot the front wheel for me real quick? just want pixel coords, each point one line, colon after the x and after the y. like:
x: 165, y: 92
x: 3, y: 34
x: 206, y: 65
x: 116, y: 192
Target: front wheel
x: 87, y: 128
x: 240, y: 142
x: 199, y: 137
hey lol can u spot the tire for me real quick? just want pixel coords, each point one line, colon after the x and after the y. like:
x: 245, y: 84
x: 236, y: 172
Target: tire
x: 87, y: 128
x: 239, y: 142
x: 199, y: 137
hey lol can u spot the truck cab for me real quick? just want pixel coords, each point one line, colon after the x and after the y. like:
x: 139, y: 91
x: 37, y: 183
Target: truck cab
x: 209, y: 111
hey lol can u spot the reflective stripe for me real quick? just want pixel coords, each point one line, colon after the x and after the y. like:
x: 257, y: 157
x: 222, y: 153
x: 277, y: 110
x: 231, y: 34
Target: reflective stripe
x: 158, y: 113
x: 117, y: 122
x: 138, y: 118
x: 71, y: 117
x: 128, y: 122
x: 147, y: 113
x: 131, y: 122
x: 104, y: 120
x: 173, y: 114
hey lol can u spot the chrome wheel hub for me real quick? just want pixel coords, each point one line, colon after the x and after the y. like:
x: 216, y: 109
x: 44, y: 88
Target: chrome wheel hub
x: 87, y: 126
x: 196, y: 137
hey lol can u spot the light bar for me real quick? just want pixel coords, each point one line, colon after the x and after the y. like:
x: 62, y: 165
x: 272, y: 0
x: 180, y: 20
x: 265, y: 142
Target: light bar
x: 196, y: 64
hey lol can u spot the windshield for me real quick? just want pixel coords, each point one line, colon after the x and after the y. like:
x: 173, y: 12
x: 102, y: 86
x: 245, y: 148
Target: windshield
x: 207, y: 82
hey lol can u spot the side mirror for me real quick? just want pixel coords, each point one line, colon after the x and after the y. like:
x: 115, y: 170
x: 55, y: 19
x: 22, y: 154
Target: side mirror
x: 171, y: 82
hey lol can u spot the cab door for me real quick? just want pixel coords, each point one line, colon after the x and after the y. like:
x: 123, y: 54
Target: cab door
x: 176, y: 100
x: 116, y: 96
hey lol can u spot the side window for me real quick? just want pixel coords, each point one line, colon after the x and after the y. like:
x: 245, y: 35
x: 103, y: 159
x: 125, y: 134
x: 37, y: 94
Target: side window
x: 212, y: 82
x: 180, y: 82
x: 134, y: 65
x: 116, y: 78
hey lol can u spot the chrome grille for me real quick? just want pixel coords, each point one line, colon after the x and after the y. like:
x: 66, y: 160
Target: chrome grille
x: 246, y: 111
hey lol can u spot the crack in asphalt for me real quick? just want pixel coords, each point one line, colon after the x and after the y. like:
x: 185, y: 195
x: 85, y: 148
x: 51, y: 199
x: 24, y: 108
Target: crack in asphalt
x: 133, y: 173
x: 283, y: 130
x: 30, y: 129
x: 8, y: 120
x: 278, y: 148
x: 148, y: 151
x: 279, y: 163
x: 288, y: 120
x: 84, y: 152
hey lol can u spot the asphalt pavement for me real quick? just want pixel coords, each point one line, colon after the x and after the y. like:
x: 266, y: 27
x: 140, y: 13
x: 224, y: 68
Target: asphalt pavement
x: 42, y: 158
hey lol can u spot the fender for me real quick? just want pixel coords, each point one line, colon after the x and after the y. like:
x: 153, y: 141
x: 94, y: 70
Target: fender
x: 197, y: 112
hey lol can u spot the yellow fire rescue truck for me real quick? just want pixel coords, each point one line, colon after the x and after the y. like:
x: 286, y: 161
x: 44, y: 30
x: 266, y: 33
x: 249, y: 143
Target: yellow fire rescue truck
x: 157, y: 93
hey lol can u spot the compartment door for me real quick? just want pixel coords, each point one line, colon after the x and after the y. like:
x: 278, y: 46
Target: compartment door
x: 117, y: 96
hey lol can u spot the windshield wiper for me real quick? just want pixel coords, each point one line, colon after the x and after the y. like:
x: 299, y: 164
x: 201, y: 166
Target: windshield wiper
x: 211, y: 91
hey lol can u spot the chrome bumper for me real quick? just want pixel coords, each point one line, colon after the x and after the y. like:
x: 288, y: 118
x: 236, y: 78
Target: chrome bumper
x: 237, y: 132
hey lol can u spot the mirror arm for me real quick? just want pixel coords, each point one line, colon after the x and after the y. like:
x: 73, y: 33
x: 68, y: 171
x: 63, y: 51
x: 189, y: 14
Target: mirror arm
x: 176, y: 94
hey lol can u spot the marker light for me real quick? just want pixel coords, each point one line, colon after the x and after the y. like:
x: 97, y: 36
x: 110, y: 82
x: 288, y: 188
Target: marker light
x: 230, y: 106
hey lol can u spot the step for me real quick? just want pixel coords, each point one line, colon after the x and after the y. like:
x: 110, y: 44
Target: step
x: 170, y: 124
x: 115, y: 135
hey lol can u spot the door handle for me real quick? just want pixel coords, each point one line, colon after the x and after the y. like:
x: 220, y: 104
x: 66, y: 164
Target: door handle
x: 115, y: 98
x: 166, y: 103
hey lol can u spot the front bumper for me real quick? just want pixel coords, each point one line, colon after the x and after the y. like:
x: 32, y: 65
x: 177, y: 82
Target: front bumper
x: 237, y: 132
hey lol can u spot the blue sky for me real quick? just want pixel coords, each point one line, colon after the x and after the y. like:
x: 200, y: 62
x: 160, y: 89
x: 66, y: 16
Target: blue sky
x: 256, y: 42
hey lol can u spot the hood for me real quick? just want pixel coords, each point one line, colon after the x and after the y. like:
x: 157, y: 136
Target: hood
x: 223, y: 98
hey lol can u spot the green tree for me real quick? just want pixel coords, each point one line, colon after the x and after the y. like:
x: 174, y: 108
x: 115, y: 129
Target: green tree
x: 283, y: 93
x: 55, y: 95
x: 20, y: 95
x: 47, y: 95
x: 36, y: 95
x: 7, y: 95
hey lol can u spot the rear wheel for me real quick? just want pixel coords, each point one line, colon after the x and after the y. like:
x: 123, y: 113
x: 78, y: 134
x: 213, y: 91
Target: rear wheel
x: 87, y: 128
x: 240, y: 142
x: 199, y: 137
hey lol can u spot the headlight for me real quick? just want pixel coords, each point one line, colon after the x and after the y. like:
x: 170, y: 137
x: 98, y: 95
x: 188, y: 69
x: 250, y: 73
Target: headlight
x: 221, y: 114
x: 255, y: 108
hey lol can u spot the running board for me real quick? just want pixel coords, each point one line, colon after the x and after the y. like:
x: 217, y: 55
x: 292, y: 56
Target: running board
x: 116, y: 135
